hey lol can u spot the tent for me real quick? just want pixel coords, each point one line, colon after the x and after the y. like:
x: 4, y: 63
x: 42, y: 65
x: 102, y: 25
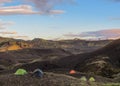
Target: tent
x: 83, y: 78
x: 92, y: 79
x: 38, y: 73
x: 21, y: 72
x: 72, y: 72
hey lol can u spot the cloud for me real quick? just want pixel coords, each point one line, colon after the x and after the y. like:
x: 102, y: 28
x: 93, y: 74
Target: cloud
x: 8, y: 32
x: 102, y: 34
x: 5, y: 1
x: 20, y: 37
x: 117, y: 18
x: 21, y: 9
x: 47, y: 5
x: 43, y: 7
x: 4, y: 25
x: 56, y: 12
x: 25, y: 10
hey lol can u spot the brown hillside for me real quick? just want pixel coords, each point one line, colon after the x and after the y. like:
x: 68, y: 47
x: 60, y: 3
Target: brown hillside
x: 105, y: 61
x: 28, y: 55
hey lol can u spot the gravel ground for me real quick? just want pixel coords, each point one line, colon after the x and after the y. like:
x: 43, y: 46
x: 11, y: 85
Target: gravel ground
x: 49, y: 79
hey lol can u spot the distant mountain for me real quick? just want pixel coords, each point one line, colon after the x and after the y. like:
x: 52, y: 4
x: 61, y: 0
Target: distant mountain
x: 95, y: 35
x: 75, y: 46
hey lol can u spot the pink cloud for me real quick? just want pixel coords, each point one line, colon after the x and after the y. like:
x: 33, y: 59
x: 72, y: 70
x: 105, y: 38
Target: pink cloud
x: 21, y: 9
x: 43, y: 6
x: 24, y: 9
x: 102, y: 34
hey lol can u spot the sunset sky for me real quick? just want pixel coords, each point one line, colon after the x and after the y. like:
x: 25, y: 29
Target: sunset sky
x: 57, y: 19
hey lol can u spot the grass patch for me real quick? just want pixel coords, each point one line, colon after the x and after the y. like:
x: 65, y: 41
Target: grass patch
x: 112, y: 84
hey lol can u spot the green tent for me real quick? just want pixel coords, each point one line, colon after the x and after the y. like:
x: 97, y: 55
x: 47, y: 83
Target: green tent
x: 92, y: 79
x: 83, y: 78
x: 21, y: 72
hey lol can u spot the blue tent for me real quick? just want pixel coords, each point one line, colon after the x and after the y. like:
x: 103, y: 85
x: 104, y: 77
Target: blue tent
x: 38, y: 73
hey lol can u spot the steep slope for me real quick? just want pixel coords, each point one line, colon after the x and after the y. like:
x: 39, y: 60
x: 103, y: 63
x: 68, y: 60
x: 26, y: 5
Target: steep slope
x: 105, y: 61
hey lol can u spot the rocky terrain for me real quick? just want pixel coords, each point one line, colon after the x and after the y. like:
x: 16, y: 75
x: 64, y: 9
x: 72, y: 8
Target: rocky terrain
x: 105, y: 61
x: 75, y: 46
x: 49, y: 79
x: 98, y: 59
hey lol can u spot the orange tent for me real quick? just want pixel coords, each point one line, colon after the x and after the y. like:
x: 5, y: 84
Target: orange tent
x: 72, y: 72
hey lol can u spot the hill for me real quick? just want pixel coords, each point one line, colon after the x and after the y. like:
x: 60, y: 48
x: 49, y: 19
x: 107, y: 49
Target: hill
x: 75, y: 46
x: 97, y: 62
x: 12, y: 44
x: 27, y: 55
x: 105, y: 61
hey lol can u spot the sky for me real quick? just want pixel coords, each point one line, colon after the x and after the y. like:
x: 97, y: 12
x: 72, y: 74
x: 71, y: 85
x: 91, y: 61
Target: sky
x: 59, y: 19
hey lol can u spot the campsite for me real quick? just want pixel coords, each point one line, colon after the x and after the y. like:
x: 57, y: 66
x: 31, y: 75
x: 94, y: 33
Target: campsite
x: 60, y: 67
x: 59, y: 42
